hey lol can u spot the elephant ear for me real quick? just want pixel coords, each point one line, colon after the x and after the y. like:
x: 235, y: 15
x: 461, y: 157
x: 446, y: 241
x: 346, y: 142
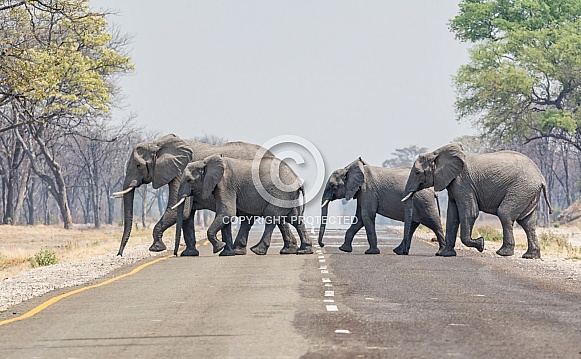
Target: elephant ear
x: 213, y: 174
x: 171, y: 158
x: 145, y: 152
x: 447, y: 164
x: 355, y: 177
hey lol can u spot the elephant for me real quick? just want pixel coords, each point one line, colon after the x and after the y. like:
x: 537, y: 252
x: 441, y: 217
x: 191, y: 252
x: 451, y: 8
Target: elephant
x: 230, y: 187
x: 162, y: 162
x: 378, y: 190
x: 507, y: 184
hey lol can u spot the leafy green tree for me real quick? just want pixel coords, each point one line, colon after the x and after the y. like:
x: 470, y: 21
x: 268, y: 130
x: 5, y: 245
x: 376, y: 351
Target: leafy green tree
x: 523, y: 81
x: 404, y: 156
x: 58, y: 63
x: 475, y: 144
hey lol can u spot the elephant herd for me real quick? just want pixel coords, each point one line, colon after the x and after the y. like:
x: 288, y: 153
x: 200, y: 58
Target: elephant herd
x: 243, y: 181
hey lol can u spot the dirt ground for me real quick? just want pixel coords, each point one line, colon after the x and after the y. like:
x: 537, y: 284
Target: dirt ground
x: 18, y: 244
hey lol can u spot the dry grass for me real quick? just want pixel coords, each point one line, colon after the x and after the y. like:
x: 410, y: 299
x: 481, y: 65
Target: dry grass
x: 18, y: 244
x: 562, y: 241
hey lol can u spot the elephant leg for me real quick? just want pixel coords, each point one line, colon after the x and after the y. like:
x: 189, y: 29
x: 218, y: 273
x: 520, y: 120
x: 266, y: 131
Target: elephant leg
x: 369, y: 223
x: 356, y: 225
x: 227, y: 239
x: 217, y: 224
x: 404, y: 248
x: 288, y: 239
x: 529, y: 224
x: 507, y: 248
x: 241, y: 241
x: 435, y: 225
x: 189, y: 232
x: 452, y: 225
x: 262, y: 247
x: 306, y: 244
x: 167, y: 220
x: 467, y: 223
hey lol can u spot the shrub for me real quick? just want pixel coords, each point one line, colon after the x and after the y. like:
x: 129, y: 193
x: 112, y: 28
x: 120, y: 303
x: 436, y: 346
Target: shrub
x: 489, y: 233
x: 560, y: 243
x: 43, y: 258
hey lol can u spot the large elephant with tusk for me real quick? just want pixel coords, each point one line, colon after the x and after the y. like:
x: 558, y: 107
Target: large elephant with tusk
x: 507, y: 184
x: 378, y: 190
x: 162, y: 162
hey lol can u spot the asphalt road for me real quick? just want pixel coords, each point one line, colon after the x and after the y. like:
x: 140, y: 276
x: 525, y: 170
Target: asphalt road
x: 327, y: 305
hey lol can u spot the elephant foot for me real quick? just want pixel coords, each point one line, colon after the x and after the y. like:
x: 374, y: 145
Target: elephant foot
x: 227, y: 253
x: 190, y: 252
x: 534, y: 254
x: 440, y: 250
x: 240, y: 251
x: 157, y: 246
x: 346, y: 248
x: 479, y: 244
x: 372, y: 251
x: 289, y: 250
x: 306, y: 250
x: 261, y: 251
x: 218, y: 246
x: 505, y: 251
x: 448, y: 252
x: 400, y: 251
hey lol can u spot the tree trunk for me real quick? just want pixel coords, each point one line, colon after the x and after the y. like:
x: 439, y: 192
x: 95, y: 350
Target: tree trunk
x: 30, y: 202
x: 21, y: 194
x: 143, y: 205
x: 9, y: 207
x: 110, y: 209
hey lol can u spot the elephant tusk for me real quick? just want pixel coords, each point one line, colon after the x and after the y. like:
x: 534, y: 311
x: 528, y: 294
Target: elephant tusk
x: 122, y: 193
x: 325, y: 203
x: 409, y: 195
x: 179, y: 203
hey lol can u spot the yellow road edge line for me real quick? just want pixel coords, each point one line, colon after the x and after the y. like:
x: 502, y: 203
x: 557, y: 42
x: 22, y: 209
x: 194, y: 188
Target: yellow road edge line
x: 52, y: 301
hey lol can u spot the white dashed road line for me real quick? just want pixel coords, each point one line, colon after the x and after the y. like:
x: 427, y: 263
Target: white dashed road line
x: 328, y: 293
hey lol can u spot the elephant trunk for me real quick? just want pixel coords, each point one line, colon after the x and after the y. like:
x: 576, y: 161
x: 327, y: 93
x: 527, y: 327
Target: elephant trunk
x: 127, y: 219
x: 324, y: 212
x: 408, y: 204
x: 408, y: 216
x: 180, y: 217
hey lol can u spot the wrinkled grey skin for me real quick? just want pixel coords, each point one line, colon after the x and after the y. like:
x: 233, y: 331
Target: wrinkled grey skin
x: 507, y: 184
x: 226, y: 186
x: 378, y: 190
x: 162, y: 162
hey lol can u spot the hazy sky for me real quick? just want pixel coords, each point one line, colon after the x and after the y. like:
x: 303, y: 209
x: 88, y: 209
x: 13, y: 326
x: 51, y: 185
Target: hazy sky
x: 356, y: 78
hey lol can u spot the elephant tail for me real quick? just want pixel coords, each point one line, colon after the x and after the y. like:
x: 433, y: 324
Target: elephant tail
x: 544, y: 187
x: 302, y: 190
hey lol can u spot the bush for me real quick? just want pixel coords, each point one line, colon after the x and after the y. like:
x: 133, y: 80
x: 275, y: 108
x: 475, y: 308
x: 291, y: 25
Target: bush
x: 489, y: 233
x: 559, y: 243
x: 43, y: 258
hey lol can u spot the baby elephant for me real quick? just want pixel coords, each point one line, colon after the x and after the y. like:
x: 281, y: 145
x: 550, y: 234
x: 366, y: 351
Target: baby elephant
x: 234, y: 187
x: 378, y: 190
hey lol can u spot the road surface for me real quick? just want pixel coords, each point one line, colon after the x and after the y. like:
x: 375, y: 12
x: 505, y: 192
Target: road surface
x: 327, y: 305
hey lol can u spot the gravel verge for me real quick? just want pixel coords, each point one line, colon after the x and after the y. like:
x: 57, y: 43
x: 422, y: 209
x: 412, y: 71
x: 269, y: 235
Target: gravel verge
x: 38, y: 281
